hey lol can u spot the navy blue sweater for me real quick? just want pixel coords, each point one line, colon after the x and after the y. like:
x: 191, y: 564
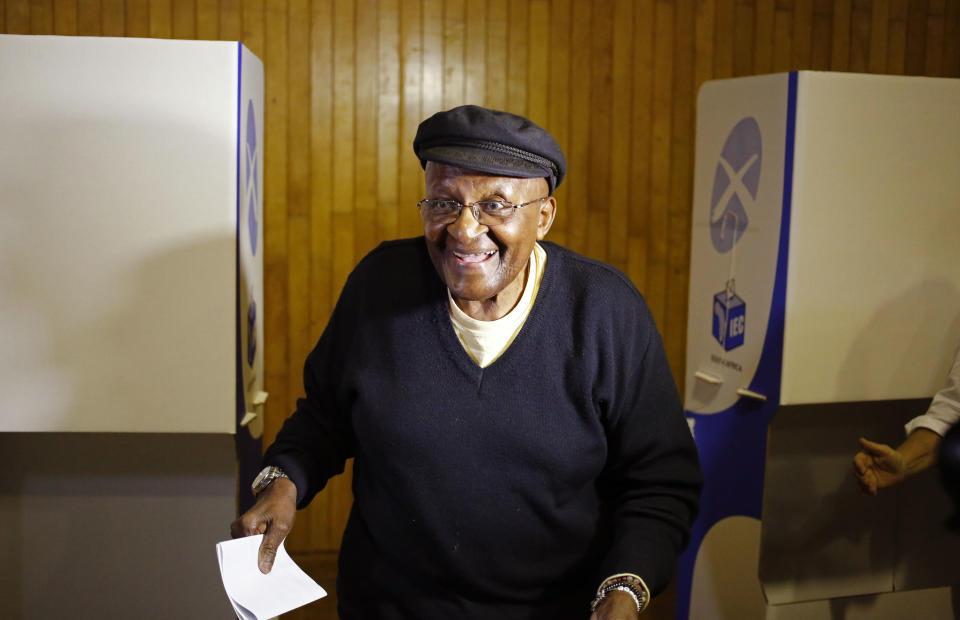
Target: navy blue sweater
x: 504, y: 492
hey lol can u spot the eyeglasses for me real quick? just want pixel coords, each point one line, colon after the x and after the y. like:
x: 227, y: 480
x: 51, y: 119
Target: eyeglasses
x: 484, y: 211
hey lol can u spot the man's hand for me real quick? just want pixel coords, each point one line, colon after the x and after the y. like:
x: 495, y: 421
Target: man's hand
x: 272, y: 516
x: 878, y: 466
x: 616, y: 606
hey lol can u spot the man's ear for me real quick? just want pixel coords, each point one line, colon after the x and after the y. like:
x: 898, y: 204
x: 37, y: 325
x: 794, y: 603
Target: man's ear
x: 548, y: 211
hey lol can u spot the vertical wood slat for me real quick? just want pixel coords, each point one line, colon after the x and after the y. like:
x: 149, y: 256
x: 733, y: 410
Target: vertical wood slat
x: 641, y: 130
x: 183, y: 18
x: 577, y: 148
x: 315, y: 534
x: 161, y: 19
x: 388, y: 120
x: 137, y: 18
x: 600, y: 130
x: 17, y: 16
x: 41, y: 17
x: 65, y: 17
x: 558, y: 115
x: 453, y: 48
x: 658, y: 221
x: 88, y: 18
x: 113, y: 20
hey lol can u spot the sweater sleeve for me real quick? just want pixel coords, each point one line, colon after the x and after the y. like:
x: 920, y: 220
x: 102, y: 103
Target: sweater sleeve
x: 652, y: 479
x: 317, y: 439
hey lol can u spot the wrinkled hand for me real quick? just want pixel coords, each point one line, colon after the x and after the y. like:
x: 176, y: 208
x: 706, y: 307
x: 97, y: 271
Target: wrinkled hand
x: 878, y: 466
x: 617, y: 606
x: 272, y: 516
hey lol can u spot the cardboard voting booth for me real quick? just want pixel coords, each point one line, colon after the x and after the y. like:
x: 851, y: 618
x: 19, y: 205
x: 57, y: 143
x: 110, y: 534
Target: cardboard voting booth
x: 131, y: 319
x: 824, y: 306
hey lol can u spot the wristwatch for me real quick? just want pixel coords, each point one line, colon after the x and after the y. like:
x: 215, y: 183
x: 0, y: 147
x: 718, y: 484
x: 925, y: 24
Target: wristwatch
x: 267, y: 475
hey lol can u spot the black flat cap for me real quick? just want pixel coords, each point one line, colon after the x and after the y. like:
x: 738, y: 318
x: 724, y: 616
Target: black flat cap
x: 490, y: 141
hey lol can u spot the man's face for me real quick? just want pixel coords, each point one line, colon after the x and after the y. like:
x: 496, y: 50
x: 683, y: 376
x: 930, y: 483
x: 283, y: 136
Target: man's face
x: 484, y: 265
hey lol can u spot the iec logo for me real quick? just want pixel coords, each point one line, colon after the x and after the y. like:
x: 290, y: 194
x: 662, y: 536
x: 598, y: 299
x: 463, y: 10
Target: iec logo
x: 251, y: 185
x: 729, y: 319
x: 735, y: 184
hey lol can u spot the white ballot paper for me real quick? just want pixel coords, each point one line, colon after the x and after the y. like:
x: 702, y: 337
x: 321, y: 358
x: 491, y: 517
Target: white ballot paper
x: 256, y: 596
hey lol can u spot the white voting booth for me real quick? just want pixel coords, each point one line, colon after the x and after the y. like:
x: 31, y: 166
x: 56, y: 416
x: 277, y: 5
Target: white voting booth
x: 131, y: 332
x: 824, y: 306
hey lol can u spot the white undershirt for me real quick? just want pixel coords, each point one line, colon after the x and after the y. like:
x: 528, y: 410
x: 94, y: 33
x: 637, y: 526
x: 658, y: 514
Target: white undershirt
x: 485, y: 341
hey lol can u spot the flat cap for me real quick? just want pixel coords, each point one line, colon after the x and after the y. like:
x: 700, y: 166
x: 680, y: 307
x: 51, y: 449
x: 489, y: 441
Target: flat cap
x: 490, y: 141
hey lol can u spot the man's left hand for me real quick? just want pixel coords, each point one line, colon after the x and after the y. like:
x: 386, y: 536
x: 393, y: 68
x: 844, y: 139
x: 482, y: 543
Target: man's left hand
x: 616, y: 606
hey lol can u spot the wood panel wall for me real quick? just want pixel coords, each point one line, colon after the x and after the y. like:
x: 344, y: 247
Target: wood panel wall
x: 615, y: 81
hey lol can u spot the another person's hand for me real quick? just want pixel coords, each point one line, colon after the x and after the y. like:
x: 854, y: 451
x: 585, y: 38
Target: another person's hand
x: 878, y: 466
x: 272, y: 516
x: 616, y: 606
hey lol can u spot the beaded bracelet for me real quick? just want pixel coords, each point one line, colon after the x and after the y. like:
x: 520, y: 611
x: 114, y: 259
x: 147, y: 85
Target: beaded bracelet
x: 625, y: 582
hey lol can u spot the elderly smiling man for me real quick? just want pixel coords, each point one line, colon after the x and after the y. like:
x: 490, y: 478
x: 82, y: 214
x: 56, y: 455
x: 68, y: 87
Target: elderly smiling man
x: 520, y: 447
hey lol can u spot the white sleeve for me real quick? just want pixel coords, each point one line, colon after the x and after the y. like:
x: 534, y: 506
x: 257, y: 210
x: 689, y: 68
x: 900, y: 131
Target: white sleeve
x: 944, y: 410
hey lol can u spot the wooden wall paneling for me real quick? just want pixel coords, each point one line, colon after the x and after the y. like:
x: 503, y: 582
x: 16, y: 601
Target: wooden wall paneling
x: 208, y: 20
x: 388, y: 120
x: 18, y: 17
x: 577, y: 152
x: 475, y: 53
x: 934, y: 52
x: 724, y: 33
x: 641, y: 138
x: 3, y: 17
x: 681, y: 188
x: 860, y: 36
x: 365, y: 120
x: 88, y: 19
x: 41, y: 17
x: 496, y: 55
x: 137, y: 18
x: 229, y: 27
x: 821, y: 36
x: 517, y: 50
x: 662, y: 132
x: 744, y: 34
x: 802, y: 39
x: 161, y: 19
x: 64, y: 17
x: 783, y: 32
x: 558, y: 105
x: 840, y: 43
x: 897, y: 38
x: 411, y: 78
x: 915, y: 60
x: 879, y: 35
x: 763, y: 39
x: 432, y: 57
x: 453, y: 53
x: 621, y: 89
x: 538, y: 62
x: 184, y: 19
x: 951, y: 45
x: 113, y: 19
x: 597, y: 170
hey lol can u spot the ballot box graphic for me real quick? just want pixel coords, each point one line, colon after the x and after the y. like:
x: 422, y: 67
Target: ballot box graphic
x: 131, y: 319
x: 828, y: 203
x: 729, y: 319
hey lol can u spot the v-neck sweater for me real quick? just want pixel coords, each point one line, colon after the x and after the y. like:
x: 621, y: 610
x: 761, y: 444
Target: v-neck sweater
x: 501, y: 492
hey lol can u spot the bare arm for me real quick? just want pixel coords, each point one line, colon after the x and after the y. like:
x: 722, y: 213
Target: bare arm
x: 878, y: 466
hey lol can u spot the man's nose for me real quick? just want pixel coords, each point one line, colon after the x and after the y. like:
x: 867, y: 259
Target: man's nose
x: 466, y: 226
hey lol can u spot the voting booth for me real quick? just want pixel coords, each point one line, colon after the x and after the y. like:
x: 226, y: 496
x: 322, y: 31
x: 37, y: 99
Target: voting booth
x: 131, y: 320
x: 824, y: 306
